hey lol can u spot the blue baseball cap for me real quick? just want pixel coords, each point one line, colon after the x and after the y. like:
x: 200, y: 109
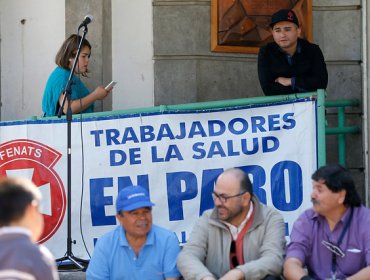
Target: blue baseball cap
x: 133, y: 197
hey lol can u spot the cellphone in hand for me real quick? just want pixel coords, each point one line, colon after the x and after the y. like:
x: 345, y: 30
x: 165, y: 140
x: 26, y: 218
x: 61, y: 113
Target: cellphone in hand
x: 110, y: 85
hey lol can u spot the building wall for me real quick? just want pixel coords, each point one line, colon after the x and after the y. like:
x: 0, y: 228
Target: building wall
x: 30, y: 36
x: 183, y: 60
x: 99, y: 34
x: 133, y: 54
x: 30, y: 39
x: 344, y: 59
x: 185, y: 70
x: 159, y: 53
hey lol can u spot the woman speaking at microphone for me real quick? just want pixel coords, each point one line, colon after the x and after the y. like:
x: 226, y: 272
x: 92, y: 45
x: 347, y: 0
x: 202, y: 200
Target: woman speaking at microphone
x: 82, y: 100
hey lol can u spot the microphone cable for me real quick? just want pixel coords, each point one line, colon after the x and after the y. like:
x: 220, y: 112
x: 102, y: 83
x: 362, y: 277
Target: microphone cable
x: 82, y: 167
x: 82, y: 182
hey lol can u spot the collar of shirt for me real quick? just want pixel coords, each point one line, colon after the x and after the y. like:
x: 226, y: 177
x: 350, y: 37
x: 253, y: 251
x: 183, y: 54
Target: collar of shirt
x: 332, y: 235
x: 15, y: 230
x: 323, y: 219
x: 149, y: 238
x: 289, y: 57
x: 236, y: 230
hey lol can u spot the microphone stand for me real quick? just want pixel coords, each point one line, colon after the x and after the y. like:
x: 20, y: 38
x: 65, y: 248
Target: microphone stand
x: 68, y: 256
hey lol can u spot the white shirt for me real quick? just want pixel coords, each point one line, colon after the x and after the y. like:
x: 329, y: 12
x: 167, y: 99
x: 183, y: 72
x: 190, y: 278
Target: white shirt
x: 236, y: 230
x: 12, y: 230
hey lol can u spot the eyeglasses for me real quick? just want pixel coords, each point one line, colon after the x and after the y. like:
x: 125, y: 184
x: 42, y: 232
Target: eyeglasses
x: 333, y: 248
x: 223, y: 197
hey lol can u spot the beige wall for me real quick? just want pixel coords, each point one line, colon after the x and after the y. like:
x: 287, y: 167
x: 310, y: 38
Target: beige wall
x: 100, y: 36
x: 185, y: 69
x: 159, y: 53
x: 30, y: 37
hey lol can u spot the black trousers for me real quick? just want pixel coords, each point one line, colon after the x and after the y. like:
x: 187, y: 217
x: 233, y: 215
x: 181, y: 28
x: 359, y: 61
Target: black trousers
x: 269, y: 277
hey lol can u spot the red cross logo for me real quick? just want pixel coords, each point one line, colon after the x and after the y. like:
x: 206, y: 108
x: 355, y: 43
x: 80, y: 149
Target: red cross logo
x: 35, y: 161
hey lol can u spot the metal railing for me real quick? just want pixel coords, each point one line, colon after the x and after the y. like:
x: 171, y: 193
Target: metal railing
x: 319, y: 95
x: 342, y: 130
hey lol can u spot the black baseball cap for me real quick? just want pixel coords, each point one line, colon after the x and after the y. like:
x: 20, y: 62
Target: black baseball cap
x: 284, y: 15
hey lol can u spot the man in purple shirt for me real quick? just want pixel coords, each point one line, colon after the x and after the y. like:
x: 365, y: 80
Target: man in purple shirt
x: 332, y: 239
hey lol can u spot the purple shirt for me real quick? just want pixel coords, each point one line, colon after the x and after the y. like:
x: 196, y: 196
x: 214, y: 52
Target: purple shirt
x: 310, y: 229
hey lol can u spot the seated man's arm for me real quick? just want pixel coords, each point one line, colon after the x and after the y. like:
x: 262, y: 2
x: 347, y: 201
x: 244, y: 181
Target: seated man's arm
x: 299, y: 247
x: 190, y: 261
x: 271, y: 248
x: 98, y: 268
x: 361, y: 275
x: 172, y: 251
x: 234, y: 274
x: 365, y: 272
x: 293, y: 269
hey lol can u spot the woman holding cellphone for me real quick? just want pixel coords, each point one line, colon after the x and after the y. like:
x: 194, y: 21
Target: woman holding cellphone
x: 82, y: 99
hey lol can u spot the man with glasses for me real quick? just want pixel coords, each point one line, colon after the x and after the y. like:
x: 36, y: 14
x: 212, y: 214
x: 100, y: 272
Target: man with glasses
x: 332, y: 239
x: 239, y: 239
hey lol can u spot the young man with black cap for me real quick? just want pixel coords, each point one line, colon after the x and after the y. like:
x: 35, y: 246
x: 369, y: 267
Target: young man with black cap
x: 290, y: 64
x: 136, y: 249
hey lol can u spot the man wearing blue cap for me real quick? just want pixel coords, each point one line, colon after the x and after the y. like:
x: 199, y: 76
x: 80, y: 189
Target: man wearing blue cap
x: 136, y: 249
x: 290, y: 64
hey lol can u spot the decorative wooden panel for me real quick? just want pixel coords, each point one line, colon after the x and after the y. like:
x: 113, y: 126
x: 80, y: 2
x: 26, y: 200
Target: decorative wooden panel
x: 243, y: 25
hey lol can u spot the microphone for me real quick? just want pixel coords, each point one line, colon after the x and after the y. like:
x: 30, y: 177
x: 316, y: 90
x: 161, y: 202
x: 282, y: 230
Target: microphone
x: 86, y: 21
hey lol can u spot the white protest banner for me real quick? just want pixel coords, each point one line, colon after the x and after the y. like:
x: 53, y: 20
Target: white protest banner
x: 177, y: 156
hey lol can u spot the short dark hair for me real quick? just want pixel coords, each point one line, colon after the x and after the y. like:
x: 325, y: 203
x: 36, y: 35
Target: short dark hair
x: 15, y: 195
x: 338, y: 178
x: 245, y: 182
x: 69, y: 49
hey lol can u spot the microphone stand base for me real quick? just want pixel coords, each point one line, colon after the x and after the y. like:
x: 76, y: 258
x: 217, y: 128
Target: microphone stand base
x: 69, y: 261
